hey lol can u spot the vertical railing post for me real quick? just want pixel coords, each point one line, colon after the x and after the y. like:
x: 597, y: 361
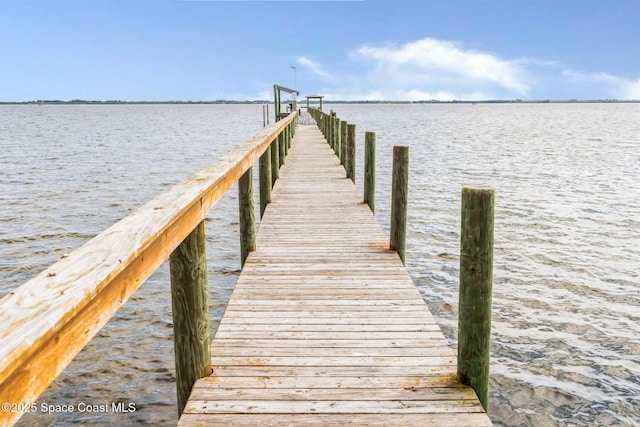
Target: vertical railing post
x: 342, y: 153
x: 247, y: 217
x: 351, y: 152
x: 325, y: 119
x: 400, y: 177
x: 286, y: 134
x: 370, y: 170
x: 275, y: 161
x: 476, y: 282
x: 331, y: 133
x: 265, y: 180
x: 190, y: 310
x: 325, y: 126
x: 337, y: 142
x: 276, y: 102
x: 281, y: 143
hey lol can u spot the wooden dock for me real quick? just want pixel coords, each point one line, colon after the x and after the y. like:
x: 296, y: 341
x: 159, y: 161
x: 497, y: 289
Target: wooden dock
x: 325, y: 326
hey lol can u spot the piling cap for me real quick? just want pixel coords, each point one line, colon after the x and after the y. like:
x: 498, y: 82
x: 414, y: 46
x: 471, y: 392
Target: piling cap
x: 478, y: 189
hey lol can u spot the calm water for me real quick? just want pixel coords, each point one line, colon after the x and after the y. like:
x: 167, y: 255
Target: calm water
x: 566, y: 315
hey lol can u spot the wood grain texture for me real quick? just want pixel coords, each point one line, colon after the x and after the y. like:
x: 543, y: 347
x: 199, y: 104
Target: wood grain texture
x: 275, y: 162
x: 190, y: 313
x: 476, y: 283
x: 370, y: 170
x: 265, y: 180
x: 325, y: 326
x: 350, y: 152
x: 337, y: 138
x: 399, y: 199
x: 246, y: 215
x: 45, y: 322
x: 343, y: 147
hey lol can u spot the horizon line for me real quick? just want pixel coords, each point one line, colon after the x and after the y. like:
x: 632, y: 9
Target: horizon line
x: 341, y: 101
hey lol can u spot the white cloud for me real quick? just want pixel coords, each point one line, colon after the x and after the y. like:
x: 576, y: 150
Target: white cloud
x: 315, y: 68
x: 633, y: 90
x: 616, y: 87
x: 438, y: 68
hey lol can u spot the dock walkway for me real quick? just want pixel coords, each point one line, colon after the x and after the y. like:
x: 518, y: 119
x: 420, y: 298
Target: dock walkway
x: 325, y: 326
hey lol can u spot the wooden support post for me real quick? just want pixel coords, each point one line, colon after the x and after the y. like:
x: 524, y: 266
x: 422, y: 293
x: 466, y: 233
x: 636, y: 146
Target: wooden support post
x: 276, y: 98
x: 325, y: 123
x: 265, y: 180
x: 275, y: 162
x: 476, y: 282
x: 247, y: 217
x: 370, y: 170
x: 285, y: 135
x: 342, y: 154
x: 332, y: 130
x: 337, y: 142
x: 325, y: 118
x: 190, y: 307
x: 281, y: 149
x: 400, y: 177
x: 351, y: 152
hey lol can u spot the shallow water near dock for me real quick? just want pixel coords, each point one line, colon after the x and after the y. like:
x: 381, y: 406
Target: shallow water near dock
x: 566, y: 294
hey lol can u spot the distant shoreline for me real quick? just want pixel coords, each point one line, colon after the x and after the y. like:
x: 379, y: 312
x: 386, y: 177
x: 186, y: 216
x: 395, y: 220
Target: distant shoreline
x: 515, y: 101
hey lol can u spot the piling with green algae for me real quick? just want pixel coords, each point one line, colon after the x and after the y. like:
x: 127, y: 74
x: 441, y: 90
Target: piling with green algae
x: 399, y: 199
x: 370, y: 169
x: 350, y: 151
x: 476, y: 282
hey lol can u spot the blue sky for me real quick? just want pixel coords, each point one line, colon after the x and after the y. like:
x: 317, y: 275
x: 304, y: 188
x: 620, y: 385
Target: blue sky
x: 348, y: 50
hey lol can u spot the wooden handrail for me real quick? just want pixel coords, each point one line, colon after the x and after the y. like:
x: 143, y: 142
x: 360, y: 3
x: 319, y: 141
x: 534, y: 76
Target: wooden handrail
x: 46, y: 321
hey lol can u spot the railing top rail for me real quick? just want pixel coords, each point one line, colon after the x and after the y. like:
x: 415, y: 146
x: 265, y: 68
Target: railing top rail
x: 46, y: 321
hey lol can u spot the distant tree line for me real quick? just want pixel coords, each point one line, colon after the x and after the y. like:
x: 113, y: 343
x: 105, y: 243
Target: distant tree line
x: 262, y: 101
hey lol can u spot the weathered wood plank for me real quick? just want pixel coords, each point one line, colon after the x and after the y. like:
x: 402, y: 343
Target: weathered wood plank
x: 332, y: 406
x: 325, y: 382
x: 341, y: 394
x: 352, y: 343
x: 342, y: 361
x: 323, y: 335
x: 442, y: 348
x: 338, y: 420
x: 335, y: 371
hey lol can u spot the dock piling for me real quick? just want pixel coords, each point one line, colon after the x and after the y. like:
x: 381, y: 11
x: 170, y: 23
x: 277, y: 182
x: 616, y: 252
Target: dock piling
x: 342, y: 155
x: 265, y: 180
x: 247, y: 217
x: 350, y: 152
x: 370, y: 170
x: 275, y: 161
x: 400, y: 177
x: 337, y: 140
x: 190, y: 308
x: 476, y: 282
x: 281, y: 144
